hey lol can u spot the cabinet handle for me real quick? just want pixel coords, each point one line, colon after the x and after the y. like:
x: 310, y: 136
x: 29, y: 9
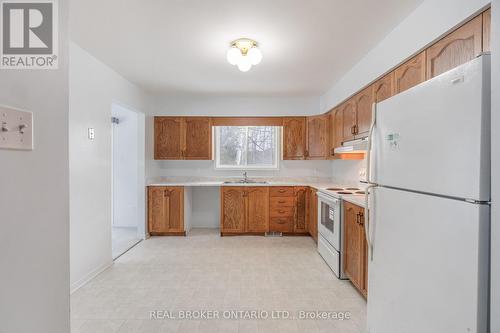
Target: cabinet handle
x: 307, y: 153
x: 282, y: 191
x: 281, y: 202
x: 357, y: 218
x: 356, y: 130
x: 281, y: 221
x: 281, y: 211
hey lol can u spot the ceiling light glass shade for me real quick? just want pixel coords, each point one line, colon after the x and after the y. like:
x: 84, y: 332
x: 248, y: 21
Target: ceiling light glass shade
x: 255, y: 55
x: 244, y: 63
x: 233, y: 55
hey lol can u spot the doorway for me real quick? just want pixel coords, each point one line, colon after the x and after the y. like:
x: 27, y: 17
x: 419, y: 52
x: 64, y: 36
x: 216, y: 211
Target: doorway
x: 126, y: 211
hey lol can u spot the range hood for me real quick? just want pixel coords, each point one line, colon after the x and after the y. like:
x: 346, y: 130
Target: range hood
x: 358, y: 146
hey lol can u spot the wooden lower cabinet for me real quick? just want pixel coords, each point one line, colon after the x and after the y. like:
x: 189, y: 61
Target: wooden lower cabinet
x: 301, y: 209
x: 261, y: 209
x: 233, y: 210
x: 244, y: 209
x: 166, y: 210
x: 257, y: 202
x: 355, y: 251
x: 313, y: 214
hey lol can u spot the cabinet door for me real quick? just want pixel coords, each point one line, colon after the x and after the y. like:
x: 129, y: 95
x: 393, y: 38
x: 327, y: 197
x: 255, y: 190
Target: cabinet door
x: 157, y: 209
x: 352, y: 245
x: 338, y: 128
x: 233, y: 210
x: 168, y: 143
x: 317, y: 137
x: 197, y: 138
x: 165, y: 209
x: 364, y: 102
x: 348, y: 110
x: 487, y: 30
x: 301, y: 211
x: 383, y: 88
x: 457, y: 48
x: 294, y: 138
x: 410, y: 73
x: 313, y: 214
x: 257, y: 208
x: 175, y: 203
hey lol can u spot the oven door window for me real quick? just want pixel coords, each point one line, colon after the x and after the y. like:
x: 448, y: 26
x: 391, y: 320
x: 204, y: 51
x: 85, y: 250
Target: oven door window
x: 327, y: 216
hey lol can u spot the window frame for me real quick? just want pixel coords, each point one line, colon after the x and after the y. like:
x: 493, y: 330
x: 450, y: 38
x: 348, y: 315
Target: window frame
x: 277, y: 150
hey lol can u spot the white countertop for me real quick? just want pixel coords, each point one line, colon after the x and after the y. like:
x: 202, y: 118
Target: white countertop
x: 321, y: 184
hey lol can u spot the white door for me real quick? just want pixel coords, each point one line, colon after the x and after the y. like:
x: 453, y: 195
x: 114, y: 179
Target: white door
x: 430, y: 264
x: 435, y: 137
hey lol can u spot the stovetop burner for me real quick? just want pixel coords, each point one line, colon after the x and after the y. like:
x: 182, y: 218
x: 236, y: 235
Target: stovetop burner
x: 335, y: 189
x: 344, y: 192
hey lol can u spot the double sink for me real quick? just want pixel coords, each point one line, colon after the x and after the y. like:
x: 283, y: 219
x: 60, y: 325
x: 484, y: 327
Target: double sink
x: 246, y: 181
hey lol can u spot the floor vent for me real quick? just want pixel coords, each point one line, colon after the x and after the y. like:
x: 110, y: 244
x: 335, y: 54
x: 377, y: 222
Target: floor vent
x: 274, y: 234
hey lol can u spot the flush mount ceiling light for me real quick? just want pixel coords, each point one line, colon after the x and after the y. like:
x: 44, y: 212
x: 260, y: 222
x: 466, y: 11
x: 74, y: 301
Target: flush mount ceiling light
x: 244, y: 53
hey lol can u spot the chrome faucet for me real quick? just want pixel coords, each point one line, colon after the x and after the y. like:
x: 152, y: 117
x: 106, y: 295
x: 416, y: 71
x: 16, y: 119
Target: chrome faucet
x: 245, y: 176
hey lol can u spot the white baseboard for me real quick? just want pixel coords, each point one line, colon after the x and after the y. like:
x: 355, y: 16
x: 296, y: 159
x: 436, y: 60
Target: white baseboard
x: 83, y: 281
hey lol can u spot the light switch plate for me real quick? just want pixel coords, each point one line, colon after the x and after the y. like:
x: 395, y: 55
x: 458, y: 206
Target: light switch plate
x: 91, y: 133
x: 16, y: 129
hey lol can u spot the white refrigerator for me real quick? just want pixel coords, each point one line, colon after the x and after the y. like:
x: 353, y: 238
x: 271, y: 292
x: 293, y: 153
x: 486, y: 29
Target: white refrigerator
x: 428, y: 226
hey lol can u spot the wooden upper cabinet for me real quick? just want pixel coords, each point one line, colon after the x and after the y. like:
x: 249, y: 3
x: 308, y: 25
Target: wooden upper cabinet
x: 460, y: 46
x: 383, y: 88
x: 198, y: 138
x: 233, y: 209
x: 338, y: 129
x: 257, y: 208
x: 178, y: 138
x: 410, y: 73
x: 487, y: 30
x: 364, y: 102
x: 348, y: 110
x: 317, y: 137
x: 168, y: 138
x: 301, y: 209
x: 294, y: 138
x: 165, y: 209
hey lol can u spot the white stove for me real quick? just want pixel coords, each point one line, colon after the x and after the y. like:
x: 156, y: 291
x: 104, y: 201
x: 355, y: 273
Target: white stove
x: 330, y: 225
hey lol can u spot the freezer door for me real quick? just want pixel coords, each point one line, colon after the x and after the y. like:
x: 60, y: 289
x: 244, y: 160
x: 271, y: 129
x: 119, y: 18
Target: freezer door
x: 435, y: 137
x: 429, y: 270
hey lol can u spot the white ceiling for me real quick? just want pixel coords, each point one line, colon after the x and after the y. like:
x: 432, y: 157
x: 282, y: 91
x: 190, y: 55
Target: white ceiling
x: 179, y: 46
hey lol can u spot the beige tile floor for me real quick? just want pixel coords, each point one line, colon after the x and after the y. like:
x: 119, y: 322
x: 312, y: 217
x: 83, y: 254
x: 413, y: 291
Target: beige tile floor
x: 206, y: 272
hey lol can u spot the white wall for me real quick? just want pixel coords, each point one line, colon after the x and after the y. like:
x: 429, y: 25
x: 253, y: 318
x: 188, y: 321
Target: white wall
x: 94, y: 87
x: 495, y: 169
x: 426, y: 24
x: 347, y: 171
x: 34, y: 208
x: 125, y: 168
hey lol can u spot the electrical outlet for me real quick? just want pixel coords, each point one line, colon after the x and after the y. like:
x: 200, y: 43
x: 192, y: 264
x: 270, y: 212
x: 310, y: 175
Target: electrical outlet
x: 91, y: 133
x: 16, y: 129
x: 362, y: 173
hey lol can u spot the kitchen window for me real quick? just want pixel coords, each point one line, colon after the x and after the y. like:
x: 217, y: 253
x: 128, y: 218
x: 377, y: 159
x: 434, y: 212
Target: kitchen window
x: 246, y: 147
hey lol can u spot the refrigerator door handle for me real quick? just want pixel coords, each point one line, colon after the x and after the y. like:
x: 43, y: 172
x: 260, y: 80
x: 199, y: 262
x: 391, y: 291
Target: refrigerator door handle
x: 368, y: 222
x: 369, y: 143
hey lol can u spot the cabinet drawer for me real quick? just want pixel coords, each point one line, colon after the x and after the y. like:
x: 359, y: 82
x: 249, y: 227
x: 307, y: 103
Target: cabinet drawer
x: 281, y: 224
x: 286, y: 191
x: 279, y: 202
x: 282, y: 212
